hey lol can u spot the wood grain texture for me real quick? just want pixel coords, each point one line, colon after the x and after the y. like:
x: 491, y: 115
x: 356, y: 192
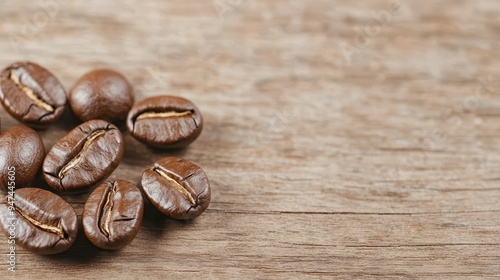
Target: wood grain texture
x: 336, y: 146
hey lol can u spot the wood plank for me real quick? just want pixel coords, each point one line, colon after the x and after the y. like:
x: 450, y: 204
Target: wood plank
x: 290, y: 245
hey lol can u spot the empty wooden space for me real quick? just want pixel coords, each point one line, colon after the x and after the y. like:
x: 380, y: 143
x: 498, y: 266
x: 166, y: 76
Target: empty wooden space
x: 342, y: 139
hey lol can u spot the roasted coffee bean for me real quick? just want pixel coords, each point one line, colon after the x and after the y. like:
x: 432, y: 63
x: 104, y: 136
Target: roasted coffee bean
x: 165, y: 122
x: 31, y: 94
x: 177, y: 187
x: 21, y: 156
x: 85, y: 156
x: 41, y: 221
x: 101, y: 94
x: 112, y: 215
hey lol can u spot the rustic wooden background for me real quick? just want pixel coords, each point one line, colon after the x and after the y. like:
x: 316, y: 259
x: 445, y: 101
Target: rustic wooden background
x: 337, y: 145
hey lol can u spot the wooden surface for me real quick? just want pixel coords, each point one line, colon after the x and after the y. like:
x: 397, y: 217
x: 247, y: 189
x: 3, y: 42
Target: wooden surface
x: 331, y: 154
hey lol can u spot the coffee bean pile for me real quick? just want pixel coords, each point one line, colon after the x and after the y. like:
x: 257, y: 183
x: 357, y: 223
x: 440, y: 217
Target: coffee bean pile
x: 42, y: 221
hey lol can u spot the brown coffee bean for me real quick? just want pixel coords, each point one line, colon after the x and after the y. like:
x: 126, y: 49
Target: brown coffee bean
x: 101, y: 94
x: 112, y: 215
x: 165, y: 122
x: 85, y: 156
x: 31, y: 94
x: 177, y: 187
x: 40, y: 221
x: 21, y: 152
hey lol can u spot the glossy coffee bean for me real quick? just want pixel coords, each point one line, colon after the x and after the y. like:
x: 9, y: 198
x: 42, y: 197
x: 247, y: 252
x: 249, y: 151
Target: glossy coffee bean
x: 101, y: 94
x: 177, y: 187
x: 165, y: 122
x: 31, y: 94
x: 41, y: 221
x: 112, y: 215
x: 21, y: 155
x: 85, y: 156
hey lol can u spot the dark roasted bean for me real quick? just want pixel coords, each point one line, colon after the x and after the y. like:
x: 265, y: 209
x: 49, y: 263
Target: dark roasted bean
x: 32, y: 94
x: 177, y: 187
x: 21, y: 150
x: 165, y: 122
x: 85, y: 156
x: 112, y: 215
x: 101, y: 94
x: 41, y: 221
